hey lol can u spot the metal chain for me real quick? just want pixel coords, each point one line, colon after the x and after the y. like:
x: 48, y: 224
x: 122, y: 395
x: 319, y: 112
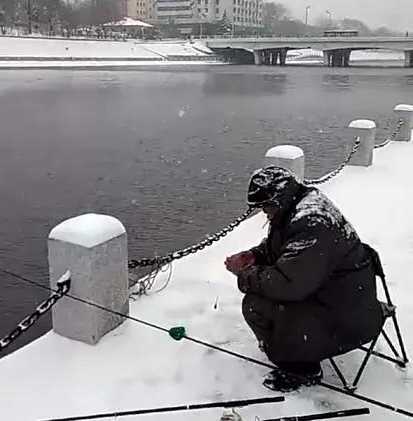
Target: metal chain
x: 332, y: 174
x: 159, y: 261
x: 393, y: 136
x: 63, y: 287
x: 145, y: 284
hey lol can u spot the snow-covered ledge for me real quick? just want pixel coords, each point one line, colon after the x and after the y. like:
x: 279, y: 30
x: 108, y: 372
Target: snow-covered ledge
x: 94, y: 248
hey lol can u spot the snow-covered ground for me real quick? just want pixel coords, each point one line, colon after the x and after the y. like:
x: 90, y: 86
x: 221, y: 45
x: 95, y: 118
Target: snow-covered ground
x: 36, y: 52
x: 137, y: 367
x: 101, y: 64
x: 310, y: 56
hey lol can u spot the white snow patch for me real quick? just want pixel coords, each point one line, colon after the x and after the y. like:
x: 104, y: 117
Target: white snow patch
x: 88, y: 230
x: 294, y: 248
x: 37, y: 49
x: 363, y: 124
x: 285, y: 152
x: 201, y: 46
x: 403, y: 107
x: 70, y: 64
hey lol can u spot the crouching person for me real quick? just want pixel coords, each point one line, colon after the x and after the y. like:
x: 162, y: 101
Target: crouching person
x: 310, y: 288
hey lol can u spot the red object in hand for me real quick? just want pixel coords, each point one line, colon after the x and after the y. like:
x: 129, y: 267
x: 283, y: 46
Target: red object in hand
x: 239, y: 262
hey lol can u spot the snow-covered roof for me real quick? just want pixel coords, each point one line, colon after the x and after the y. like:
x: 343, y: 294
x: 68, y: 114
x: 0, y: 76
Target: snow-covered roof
x: 128, y: 22
x: 137, y: 367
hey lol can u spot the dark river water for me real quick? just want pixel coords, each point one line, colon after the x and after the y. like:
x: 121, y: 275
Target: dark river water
x: 167, y: 151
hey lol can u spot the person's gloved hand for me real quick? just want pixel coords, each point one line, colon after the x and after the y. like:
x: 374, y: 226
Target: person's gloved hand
x: 238, y: 262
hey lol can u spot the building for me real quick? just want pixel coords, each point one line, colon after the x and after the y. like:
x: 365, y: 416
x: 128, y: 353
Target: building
x: 140, y: 9
x: 239, y: 13
x: 176, y: 11
x: 187, y: 13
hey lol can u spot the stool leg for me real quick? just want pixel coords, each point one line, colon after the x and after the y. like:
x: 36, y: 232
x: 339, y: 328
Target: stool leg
x: 390, y: 343
x: 399, y: 337
x: 365, y: 360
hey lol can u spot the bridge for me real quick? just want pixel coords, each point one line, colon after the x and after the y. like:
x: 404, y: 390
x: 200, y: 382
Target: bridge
x: 336, y: 50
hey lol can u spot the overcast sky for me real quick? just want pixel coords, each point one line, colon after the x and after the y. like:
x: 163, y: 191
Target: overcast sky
x: 396, y: 14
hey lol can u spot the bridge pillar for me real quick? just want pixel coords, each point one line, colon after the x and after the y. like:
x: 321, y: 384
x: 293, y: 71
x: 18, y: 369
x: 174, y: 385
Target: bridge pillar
x: 283, y: 56
x: 267, y: 57
x: 337, y: 58
x: 257, y: 57
x: 346, y: 58
x: 274, y: 57
x: 326, y: 57
x: 408, y: 58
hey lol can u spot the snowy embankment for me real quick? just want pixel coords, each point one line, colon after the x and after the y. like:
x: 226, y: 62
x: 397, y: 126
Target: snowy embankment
x: 138, y: 367
x: 43, y: 52
x: 310, y: 56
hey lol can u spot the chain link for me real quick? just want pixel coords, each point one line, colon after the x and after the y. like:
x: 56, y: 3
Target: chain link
x: 393, y: 136
x: 159, y: 261
x: 332, y: 174
x: 63, y: 287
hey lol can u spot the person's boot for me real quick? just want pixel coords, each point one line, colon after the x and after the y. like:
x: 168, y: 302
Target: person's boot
x: 281, y: 380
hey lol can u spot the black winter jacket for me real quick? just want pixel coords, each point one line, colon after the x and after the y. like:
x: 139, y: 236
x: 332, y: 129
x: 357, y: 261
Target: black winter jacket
x: 320, y: 277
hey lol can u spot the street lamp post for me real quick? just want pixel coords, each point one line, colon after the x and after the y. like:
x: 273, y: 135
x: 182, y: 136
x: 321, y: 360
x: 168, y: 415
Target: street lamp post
x: 330, y: 17
x: 307, y: 9
x: 29, y: 15
x: 202, y: 16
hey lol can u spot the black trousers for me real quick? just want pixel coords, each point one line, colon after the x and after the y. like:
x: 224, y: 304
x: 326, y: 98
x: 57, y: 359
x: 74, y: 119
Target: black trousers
x: 261, y: 316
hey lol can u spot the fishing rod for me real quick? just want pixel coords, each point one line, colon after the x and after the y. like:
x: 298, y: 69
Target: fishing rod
x: 325, y: 415
x: 191, y: 407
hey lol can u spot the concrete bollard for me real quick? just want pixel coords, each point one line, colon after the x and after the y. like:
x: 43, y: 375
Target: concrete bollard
x: 366, y: 131
x: 288, y: 157
x: 94, y: 248
x: 404, y: 112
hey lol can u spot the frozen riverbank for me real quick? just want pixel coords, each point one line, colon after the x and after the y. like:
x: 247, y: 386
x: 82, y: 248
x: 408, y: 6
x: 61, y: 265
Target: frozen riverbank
x: 58, y: 53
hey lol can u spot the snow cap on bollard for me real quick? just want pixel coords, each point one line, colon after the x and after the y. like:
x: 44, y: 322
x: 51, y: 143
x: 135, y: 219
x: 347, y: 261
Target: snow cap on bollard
x: 366, y: 131
x: 404, y: 112
x: 286, y: 156
x: 94, y: 248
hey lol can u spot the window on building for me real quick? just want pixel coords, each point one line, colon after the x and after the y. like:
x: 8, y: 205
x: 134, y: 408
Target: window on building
x: 217, y: 2
x: 206, y: 9
x: 199, y: 10
x: 217, y: 10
